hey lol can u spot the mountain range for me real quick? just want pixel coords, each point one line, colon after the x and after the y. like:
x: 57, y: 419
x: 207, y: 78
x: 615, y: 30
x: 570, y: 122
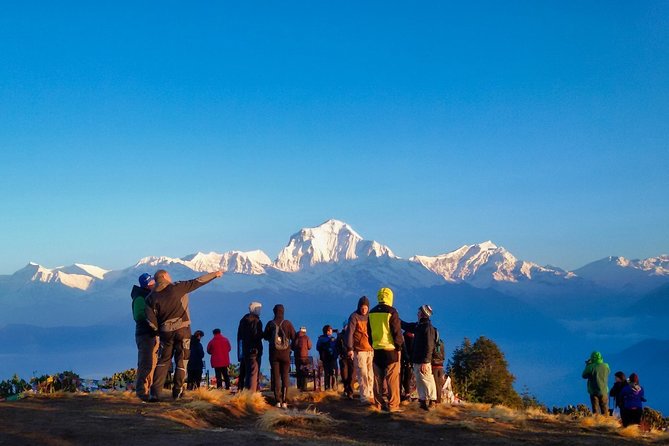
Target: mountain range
x: 547, y: 320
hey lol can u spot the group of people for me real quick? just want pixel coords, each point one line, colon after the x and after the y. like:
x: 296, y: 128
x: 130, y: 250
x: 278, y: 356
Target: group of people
x: 371, y: 345
x: 627, y: 393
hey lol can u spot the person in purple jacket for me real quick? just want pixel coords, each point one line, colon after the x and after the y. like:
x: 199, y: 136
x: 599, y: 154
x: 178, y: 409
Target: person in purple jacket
x: 633, y: 399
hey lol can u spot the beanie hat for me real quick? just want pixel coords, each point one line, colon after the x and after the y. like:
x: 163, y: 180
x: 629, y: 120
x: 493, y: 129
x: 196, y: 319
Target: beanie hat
x: 254, y: 307
x: 303, y: 329
x: 145, y: 279
x: 426, y: 309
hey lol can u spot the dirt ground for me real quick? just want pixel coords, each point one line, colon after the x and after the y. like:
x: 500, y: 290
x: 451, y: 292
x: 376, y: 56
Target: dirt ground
x: 125, y: 420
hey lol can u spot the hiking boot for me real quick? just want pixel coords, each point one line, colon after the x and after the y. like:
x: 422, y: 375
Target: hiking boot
x: 284, y: 405
x: 153, y: 399
x: 424, y: 405
x: 278, y: 405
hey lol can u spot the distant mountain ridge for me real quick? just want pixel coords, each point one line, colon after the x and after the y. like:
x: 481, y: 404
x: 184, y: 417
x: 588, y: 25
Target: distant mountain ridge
x: 313, y: 250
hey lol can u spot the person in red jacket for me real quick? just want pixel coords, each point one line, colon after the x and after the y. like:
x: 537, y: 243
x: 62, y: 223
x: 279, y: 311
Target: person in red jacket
x: 219, y: 349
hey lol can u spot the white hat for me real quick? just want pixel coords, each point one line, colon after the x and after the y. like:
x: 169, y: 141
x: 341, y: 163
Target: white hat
x: 254, y: 307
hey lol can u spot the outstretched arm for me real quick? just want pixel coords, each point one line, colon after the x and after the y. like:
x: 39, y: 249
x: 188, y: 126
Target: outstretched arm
x: 191, y: 285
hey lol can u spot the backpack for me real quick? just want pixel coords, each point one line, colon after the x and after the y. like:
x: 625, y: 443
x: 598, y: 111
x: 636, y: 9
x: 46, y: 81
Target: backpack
x: 281, y: 342
x: 439, y: 354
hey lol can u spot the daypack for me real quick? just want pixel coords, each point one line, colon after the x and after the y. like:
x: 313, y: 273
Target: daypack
x: 439, y: 354
x: 281, y: 342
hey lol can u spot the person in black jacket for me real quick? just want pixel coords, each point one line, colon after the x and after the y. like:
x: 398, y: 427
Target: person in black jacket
x: 146, y: 337
x: 423, y: 351
x: 196, y: 361
x: 167, y: 312
x: 618, y: 385
x: 249, y: 348
x: 280, y: 334
x: 345, y: 362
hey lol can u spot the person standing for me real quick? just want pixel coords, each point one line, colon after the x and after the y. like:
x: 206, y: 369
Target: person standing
x: 280, y: 334
x: 301, y: 347
x: 196, y: 361
x: 167, y: 311
x: 219, y: 349
x: 249, y: 347
x: 385, y: 332
x: 359, y: 349
x: 146, y: 337
x: 633, y: 398
x: 327, y: 347
x: 620, y: 382
x: 597, y: 373
x: 438, y: 358
x: 345, y: 362
x: 423, y: 350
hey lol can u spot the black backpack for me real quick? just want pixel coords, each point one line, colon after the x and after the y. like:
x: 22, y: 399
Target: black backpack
x: 281, y: 342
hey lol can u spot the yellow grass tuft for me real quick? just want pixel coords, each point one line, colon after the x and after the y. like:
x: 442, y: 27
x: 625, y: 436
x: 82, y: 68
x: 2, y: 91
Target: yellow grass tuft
x: 632, y: 431
x: 249, y: 402
x: 126, y: 395
x: 312, y: 397
x: 532, y: 413
x: 600, y: 422
x: 213, y: 396
x: 309, y: 418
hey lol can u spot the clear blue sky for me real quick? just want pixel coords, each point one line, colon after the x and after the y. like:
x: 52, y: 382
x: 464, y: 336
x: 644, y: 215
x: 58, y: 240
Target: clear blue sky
x: 132, y: 129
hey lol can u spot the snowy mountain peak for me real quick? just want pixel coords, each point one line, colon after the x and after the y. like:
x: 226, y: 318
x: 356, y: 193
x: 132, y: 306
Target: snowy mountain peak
x: 78, y: 276
x: 638, y: 276
x: 332, y: 241
x: 483, y: 265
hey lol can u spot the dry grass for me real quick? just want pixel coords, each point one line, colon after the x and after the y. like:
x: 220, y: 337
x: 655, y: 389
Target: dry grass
x: 241, y: 404
x: 125, y: 395
x: 599, y: 422
x: 532, y: 413
x: 499, y: 413
x: 312, y: 397
x: 309, y: 418
x: 187, y: 417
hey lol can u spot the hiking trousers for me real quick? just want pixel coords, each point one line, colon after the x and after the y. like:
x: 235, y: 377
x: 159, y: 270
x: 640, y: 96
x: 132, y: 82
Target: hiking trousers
x: 173, y: 344
x: 301, y: 371
x: 222, y: 376
x: 389, y: 375
x: 251, y: 375
x: 600, y: 404
x: 427, y: 390
x: 280, y: 369
x: 346, y: 372
x: 147, y: 358
x: 439, y: 381
x: 365, y: 375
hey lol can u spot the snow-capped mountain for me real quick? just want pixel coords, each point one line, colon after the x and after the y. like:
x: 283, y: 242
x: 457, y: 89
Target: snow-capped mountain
x: 251, y: 262
x: 332, y: 241
x: 77, y: 276
x: 635, y: 276
x: 484, y: 264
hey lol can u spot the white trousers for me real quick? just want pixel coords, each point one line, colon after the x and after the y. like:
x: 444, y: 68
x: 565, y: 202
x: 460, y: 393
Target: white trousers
x: 364, y: 372
x: 427, y: 390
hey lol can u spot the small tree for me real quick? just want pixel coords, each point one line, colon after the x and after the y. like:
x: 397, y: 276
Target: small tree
x: 480, y: 374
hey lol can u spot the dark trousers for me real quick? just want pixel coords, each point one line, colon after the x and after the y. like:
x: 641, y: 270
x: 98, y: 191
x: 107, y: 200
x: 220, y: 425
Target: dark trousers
x: 346, y: 372
x: 222, y: 375
x: 407, y: 378
x: 194, y: 379
x: 600, y: 404
x: 630, y: 416
x: 301, y: 370
x: 242, y: 374
x: 251, y: 366
x: 330, y: 374
x: 173, y: 344
x: 280, y: 370
x: 439, y: 380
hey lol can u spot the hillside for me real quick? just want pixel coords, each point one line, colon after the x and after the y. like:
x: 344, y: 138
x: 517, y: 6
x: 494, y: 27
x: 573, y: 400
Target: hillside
x: 216, y: 417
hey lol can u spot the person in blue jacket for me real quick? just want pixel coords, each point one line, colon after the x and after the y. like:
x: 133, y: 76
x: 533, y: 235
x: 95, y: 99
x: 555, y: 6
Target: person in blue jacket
x: 327, y: 347
x: 633, y: 399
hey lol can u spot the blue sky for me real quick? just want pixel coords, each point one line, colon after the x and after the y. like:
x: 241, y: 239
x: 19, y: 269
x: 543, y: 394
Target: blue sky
x: 168, y: 128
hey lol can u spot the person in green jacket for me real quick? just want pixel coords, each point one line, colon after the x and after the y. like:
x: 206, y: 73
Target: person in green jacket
x: 597, y: 373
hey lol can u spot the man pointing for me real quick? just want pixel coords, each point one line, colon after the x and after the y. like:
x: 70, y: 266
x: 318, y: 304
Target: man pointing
x: 167, y: 311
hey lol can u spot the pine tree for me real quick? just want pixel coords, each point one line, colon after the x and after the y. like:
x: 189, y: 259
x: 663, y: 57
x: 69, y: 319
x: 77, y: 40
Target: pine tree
x: 480, y: 374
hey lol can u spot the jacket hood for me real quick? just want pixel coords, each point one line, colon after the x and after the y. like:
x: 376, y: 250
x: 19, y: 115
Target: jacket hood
x: 596, y: 358
x: 385, y: 296
x: 363, y: 301
x: 278, y: 312
x: 138, y: 291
